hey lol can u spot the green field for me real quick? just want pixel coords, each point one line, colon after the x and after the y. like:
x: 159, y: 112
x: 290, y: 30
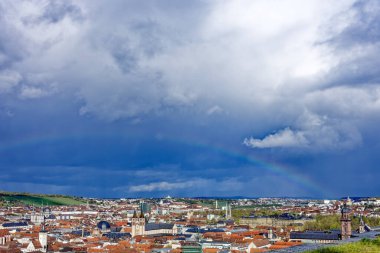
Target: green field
x: 363, y: 246
x: 38, y: 200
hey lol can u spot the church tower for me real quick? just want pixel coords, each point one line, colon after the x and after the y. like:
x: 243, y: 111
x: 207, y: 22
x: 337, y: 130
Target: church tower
x: 43, y: 238
x: 138, y: 224
x: 345, y: 222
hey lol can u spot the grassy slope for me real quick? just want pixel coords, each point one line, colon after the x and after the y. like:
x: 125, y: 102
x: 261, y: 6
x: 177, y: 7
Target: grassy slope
x: 31, y: 199
x: 365, y: 246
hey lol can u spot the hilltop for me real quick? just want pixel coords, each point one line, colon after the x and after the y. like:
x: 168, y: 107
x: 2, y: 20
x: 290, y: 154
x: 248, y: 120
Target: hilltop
x: 12, y: 198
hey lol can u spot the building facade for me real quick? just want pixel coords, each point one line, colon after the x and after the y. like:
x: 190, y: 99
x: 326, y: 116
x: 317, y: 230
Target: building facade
x: 141, y: 227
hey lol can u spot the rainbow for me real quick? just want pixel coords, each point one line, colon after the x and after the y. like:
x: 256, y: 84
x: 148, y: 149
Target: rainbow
x: 281, y: 170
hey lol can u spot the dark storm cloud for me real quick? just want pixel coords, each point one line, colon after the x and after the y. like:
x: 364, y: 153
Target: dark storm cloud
x: 357, y: 46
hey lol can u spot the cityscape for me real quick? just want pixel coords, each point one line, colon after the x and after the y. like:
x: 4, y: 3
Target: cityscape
x: 182, y: 225
x: 193, y: 126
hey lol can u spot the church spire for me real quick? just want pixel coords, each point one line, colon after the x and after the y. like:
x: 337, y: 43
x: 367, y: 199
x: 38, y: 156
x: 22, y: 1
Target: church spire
x: 141, y: 211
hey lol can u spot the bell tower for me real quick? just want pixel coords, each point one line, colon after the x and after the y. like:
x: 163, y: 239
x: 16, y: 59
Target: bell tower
x: 42, y: 237
x: 138, y: 224
x: 345, y: 222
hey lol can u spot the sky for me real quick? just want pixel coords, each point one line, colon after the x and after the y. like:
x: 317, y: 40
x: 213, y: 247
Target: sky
x: 256, y: 98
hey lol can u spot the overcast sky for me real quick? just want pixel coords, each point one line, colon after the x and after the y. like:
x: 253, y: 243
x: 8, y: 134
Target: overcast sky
x: 190, y: 98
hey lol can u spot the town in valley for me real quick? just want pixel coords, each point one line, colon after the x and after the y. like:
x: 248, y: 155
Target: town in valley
x: 184, y: 225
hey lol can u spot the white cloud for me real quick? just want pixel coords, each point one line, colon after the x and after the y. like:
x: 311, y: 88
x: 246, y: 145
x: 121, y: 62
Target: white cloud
x: 214, y: 110
x: 245, y: 186
x: 223, y: 186
x: 314, y: 132
x: 33, y: 92
x: 282, y: 138
x: 167, y: 186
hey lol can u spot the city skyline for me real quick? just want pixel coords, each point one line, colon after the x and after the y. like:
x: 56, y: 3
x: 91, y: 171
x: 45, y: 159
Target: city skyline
x: 200, y: 98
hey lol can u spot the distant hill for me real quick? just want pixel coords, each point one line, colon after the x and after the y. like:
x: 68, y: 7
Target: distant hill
x: 11, y: 198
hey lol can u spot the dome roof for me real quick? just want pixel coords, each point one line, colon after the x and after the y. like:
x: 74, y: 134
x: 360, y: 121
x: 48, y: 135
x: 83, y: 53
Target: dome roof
x: 103, y: 225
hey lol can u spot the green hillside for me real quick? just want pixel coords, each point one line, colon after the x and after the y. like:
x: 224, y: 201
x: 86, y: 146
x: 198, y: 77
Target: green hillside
x: 365, y: 245
x: 7, y: 198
